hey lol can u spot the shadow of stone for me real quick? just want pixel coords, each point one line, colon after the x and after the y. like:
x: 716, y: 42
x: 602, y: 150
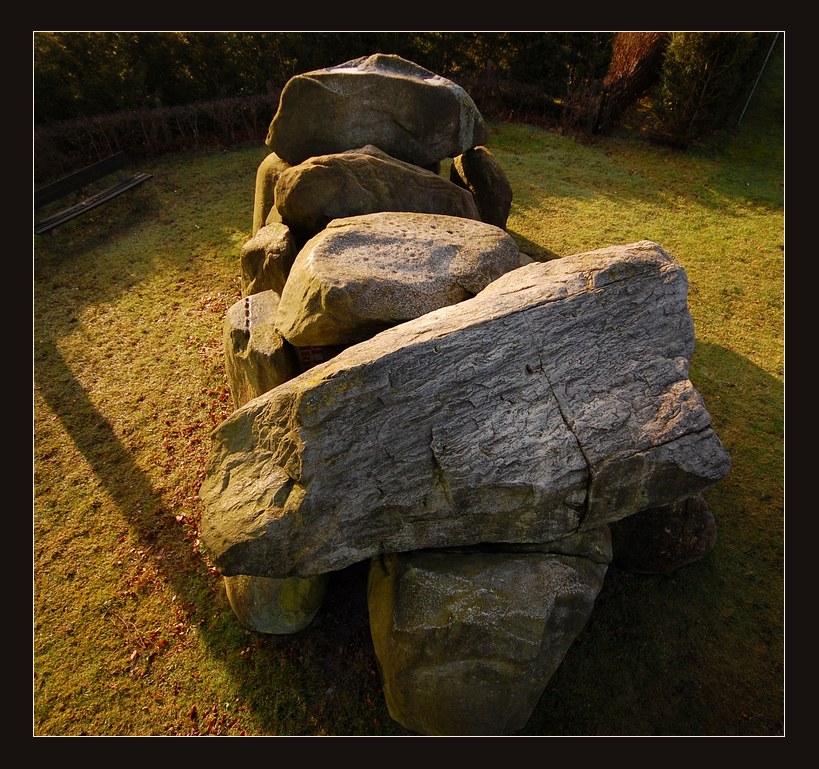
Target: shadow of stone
x: 698, y: 651
x: 534, y: 250
x: 112, y: 463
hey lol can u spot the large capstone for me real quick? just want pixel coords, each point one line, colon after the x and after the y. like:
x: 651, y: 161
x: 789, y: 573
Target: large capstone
x: 309, y: 195
x: 554, y: 401
x: 384, y: 100
x: 363, y: 274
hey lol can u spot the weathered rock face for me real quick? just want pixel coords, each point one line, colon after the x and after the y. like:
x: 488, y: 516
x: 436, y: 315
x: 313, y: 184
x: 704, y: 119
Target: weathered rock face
x: 486, y: 448
x: 664, y: 539
x: 309, y: 195
x: 384, y: 100
x: 363, y: 274
x: 257, y: 357
x: 467, y: 641
x: 478, y: 171
x: 555, y: 401
x: 264, y: 198
x: 266, y: 259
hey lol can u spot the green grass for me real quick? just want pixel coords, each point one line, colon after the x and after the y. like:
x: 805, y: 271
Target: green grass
x: 132, y: 631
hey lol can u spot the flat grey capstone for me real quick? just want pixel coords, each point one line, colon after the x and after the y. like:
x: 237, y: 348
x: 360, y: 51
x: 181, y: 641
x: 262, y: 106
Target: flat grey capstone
x: 554, y: 401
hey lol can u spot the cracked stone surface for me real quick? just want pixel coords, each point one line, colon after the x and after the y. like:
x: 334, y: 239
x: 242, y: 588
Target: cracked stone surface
x: 554, y: 401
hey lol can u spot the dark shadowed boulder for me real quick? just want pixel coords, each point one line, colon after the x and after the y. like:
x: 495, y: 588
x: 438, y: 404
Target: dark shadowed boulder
x: 478, y: 171
x: 276, y: 606
x: 666, y: 538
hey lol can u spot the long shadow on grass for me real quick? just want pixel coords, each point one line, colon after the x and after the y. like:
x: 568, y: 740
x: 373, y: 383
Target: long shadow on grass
x: 698, y: 651
x: 332, y: 685
x: 534, y: 250
x: 94, y: 437
x: 329, y: 671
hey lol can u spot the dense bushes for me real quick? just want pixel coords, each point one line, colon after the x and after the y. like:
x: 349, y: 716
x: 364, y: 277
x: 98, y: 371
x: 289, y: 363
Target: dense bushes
x: 77, y: 74
x: 147, y: 93
x: 705, y: 80
x: 70, y: 144
x: 691, y: 83
x: 634, y: 68
x: 153, y: 92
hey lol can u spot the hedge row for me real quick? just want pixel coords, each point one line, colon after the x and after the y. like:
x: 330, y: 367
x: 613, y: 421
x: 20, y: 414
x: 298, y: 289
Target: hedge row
x: 60, y: 148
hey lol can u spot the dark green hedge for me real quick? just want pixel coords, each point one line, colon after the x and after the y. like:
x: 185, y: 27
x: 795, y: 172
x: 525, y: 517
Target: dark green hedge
x: 151, y: 92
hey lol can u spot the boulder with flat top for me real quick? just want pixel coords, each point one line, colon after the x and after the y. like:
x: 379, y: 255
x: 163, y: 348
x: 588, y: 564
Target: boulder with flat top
x: 363, y: 274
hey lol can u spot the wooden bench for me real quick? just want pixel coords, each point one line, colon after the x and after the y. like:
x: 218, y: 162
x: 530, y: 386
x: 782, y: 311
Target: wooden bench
x: 78, y: 180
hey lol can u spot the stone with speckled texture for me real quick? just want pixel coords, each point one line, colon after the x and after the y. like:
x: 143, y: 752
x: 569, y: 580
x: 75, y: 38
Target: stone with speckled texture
x: 365, y: 273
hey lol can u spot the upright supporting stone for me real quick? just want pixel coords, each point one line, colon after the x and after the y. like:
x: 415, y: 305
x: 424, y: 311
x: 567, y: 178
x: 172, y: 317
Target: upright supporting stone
x: 467, y: 640
x: 266, y: 259
x: 478, y: 171
x: 264, y: 199
x: 257, y: 359
x: 276, y: 606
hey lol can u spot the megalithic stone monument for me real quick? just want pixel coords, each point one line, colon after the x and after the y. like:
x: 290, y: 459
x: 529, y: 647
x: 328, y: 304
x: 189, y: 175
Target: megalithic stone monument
x: 555, y: 401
